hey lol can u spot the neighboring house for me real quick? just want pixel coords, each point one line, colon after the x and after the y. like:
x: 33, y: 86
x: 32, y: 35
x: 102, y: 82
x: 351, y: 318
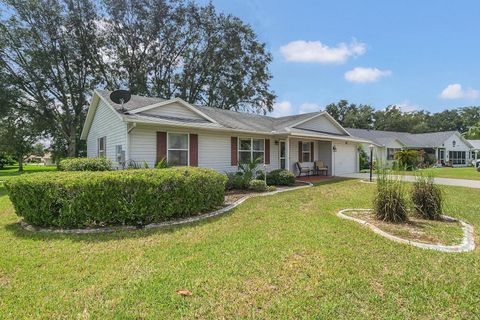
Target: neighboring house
x: 475, y: 149
x: 46, y: 159
x: 151, y: 129
x: 448, y: 147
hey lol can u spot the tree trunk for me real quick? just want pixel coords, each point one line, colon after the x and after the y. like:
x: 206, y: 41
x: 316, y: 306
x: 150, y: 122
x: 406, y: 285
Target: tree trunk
x: 72, y: 143
x: 20, y: 164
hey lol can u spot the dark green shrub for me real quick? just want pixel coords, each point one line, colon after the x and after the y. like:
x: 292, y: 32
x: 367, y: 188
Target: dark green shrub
x: 240, y: 181
x: 407, y: 159
x: 127, y: 197
x: 280, y: 177
x: 427, y: 198
x: 257, y: 185
x: 389, y: 203
x: 86, y: 164
x: 6, y: 160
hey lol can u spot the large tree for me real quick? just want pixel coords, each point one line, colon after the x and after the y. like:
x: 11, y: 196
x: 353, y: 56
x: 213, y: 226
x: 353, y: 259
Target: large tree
x: 48, y: 50
x: 176, y: 49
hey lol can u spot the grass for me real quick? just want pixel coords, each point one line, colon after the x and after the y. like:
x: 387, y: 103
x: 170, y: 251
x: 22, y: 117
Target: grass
x: 416, y: 229
x: 12, y: 171
x: 281, y: 256
x: 468, y: 173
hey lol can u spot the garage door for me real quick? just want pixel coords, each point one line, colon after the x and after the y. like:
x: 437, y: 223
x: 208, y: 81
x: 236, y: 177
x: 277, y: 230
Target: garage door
x: 345, y: 159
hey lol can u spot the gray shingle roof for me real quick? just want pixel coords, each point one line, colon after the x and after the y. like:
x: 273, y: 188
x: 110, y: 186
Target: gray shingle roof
x: 417, y: 140
x: 226, y: 118
x: 475, y: 144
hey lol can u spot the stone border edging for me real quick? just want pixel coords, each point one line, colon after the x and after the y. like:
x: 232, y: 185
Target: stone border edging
x: 468, y: 242
x: 366, y: 181
x: 165, y: 224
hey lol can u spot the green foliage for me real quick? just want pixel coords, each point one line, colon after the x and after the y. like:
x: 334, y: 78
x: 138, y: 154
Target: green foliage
x: 389, y: 203
x: 280, y: 177
x: 473, y: 132
x: 257, y: 185
x: 427, y: 197
x: 86, y: 164
x: 6, y: 160
x: 126, y: 197
x: 363, y: 159
x: 407, y: 159
x: 163, y: 164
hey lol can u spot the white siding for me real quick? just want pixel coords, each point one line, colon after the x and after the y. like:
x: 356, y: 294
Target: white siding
x: 320, y: 123
x: 106, y: 124
x: 459, y: 146
x: 214, y: 150
x: 175, y: 110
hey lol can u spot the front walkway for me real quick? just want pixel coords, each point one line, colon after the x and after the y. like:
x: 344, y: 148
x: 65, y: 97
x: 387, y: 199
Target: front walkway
x: 444, y: 181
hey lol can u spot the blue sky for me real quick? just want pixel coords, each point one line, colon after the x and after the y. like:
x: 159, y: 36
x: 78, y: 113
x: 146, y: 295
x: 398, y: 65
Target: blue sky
x: 417, y: 54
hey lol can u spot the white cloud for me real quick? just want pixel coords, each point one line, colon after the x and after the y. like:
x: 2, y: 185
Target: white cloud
x: 309, y: 107
x: 315, y: 51
x: 363, y: 75
x: 281, y: 109
x: 455, y: 91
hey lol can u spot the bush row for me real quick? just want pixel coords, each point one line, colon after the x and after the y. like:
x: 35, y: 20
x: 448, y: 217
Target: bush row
x: 85, y: 164
x: 133, y: 197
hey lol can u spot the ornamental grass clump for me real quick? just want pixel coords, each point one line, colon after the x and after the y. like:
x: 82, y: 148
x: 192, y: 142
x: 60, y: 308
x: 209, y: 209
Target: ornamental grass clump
x: 390, y: 204
x: 427, y: 197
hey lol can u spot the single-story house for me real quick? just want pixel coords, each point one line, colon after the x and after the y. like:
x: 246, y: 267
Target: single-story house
x: 446, y: 148
x: 151, y: 129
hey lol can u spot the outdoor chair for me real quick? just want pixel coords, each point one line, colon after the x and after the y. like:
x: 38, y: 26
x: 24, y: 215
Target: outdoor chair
x: 301, y: 169
x: 320, y: 167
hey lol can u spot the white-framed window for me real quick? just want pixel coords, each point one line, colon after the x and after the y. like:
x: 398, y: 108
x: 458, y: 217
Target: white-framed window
x: 457, y: 157
x: 250, y: 149
x: 391, y: 153
x: 306, y: 152
x: 102, y: 147
x: 177, y: 148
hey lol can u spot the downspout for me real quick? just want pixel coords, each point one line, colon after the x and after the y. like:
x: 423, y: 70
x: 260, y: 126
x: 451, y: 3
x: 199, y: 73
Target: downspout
x: 127, y: 147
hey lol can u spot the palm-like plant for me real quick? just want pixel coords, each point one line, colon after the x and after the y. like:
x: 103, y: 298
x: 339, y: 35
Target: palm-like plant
x: 250, y: 169
x: 407, y: 159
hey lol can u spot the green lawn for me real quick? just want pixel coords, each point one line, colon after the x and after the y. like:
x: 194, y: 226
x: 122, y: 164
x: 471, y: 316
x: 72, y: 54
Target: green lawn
x: 282, y: 256
x: 469, y: 173
x: 12, y: 171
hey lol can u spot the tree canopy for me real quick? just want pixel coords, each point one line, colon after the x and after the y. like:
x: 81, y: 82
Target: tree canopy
x: 392, y: 118
x: 55, y: 52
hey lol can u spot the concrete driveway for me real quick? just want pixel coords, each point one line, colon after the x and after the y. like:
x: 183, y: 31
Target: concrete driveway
x: 444, y: 181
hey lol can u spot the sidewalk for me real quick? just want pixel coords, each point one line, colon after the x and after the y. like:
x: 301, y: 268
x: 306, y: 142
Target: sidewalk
x: 444, y: 181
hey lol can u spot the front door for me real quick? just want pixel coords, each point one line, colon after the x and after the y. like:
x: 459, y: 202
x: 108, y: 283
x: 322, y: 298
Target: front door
x: 441, y: 155
x: 282, y: 154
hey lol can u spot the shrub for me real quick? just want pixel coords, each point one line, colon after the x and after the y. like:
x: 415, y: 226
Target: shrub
x: 280, y: 177
x: 257, y: 185
x: 407, y: 159
x: 86, y: 164
x: 163, y: 164
x: 127, y: 197
x: 427, y: 198
x: 389, y: 203
x: 271, y: 188
x: 6, y: 160
x: 240, y: 181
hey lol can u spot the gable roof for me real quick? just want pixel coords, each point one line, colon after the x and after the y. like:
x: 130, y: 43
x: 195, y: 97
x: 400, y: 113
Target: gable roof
x: 475, y: 144
x: 137, y: 110
x: 412, y: 140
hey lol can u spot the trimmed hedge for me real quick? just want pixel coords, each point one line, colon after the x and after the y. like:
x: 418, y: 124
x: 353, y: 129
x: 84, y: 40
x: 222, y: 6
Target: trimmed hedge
x: 280, y: 177
x: 133, y: 197
x: 86, y: 164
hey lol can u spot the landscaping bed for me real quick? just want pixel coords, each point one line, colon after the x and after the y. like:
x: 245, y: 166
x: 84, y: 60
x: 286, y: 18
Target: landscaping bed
x: 441, y: 232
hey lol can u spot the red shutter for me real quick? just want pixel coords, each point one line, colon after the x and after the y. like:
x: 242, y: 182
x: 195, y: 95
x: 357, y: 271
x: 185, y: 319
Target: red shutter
x: 300, y: 146
x: 161, y: 146
x: 267, y: 151
x: 234, y: 151
x: 193, y: 150
x: 312, y: 156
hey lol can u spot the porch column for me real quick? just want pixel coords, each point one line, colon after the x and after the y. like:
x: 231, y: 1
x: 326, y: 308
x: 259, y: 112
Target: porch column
x: 287, y: 154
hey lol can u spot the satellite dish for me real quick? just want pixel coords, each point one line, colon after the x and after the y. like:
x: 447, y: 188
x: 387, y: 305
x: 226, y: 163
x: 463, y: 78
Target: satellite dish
x: 120, y: 96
